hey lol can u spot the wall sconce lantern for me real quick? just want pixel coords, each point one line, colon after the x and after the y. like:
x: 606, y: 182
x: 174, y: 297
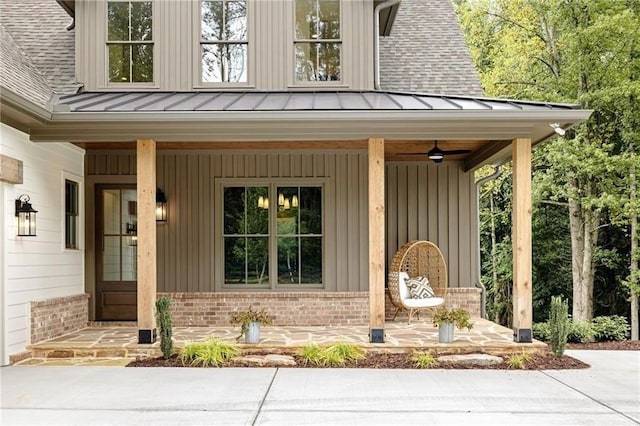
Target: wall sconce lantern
x: 26, y: 217
x: 161, y: 206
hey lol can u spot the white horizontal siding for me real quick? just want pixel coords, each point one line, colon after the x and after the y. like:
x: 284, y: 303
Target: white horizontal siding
x: 37, y: 268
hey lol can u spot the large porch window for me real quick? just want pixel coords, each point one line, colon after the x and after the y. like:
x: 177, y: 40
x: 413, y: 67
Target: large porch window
x: 272, y: 236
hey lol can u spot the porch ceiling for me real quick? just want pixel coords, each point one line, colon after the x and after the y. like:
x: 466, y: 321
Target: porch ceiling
x: 304, y: 119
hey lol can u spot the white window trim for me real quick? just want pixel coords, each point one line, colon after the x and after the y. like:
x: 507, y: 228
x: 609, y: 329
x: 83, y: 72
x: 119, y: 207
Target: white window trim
x: 134, y: 85
x: 197, y: 60
x: 293, y: 83
x: 80, y: 231
x: 271, y: 183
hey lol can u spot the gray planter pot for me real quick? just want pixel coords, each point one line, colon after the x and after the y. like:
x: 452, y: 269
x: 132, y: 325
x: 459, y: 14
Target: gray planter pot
x: 253, y: 333
x: 445, y: 332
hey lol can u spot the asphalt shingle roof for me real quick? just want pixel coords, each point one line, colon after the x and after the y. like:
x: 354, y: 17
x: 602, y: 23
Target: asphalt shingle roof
x: 38, y: 27
x: 18, y: 74
x: 426, y: 52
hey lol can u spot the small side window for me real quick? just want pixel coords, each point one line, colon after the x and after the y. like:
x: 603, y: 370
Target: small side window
x: 70, y: 214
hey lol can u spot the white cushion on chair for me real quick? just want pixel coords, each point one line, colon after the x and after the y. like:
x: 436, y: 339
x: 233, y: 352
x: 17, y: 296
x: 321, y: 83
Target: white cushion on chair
x: 402, y: 286
x: 405, y: 295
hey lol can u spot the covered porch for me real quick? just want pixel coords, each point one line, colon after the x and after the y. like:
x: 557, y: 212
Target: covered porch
x: 379, y: 127
x: 102, y: 342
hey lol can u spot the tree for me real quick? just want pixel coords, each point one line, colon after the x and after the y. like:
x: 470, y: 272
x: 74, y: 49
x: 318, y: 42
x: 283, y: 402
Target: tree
x: 584, y: 51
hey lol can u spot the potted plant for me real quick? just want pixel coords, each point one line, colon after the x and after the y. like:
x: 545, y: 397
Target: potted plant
x: 250, y: 322
x: 445, y: 319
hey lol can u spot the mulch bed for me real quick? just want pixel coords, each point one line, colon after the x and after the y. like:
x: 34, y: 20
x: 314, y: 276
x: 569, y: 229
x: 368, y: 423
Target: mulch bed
x: 542, y: 361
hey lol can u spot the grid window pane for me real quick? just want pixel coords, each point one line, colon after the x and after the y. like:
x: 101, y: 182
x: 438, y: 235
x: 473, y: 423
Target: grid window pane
x: 141, y: 21
x: 246, y: 240
x: 119, y: 60
x: 71, y: 214
x: 310, y: 210
x: 257, y: 260
x: 224, y: 63
x: 234, y: 260
x: 257, y: 216
x: 130, y: 41
x: 118, y: 21
x: 142, y: 63
x: 311, y: 260
x: 234, y: 210
x: 223, y: 31
x: 318, y: 61
x: 288, y: 260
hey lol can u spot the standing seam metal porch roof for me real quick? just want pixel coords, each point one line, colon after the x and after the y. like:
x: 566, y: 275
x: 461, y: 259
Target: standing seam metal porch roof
x: 199, y: 101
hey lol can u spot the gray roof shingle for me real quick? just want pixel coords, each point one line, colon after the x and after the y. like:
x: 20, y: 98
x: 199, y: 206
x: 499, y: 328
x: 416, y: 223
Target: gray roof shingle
x: 18, y: 73
x: 426, y: 52
x: 38, y: 27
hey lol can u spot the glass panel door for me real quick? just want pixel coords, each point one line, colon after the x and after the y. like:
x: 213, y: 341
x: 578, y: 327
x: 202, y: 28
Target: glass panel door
x: 116, y: 253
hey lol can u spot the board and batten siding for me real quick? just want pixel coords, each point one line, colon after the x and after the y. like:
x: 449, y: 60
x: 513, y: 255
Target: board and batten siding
x: 424, y: 201
x: 270, y: 35
x: 186, y: 243
x: 37, y: 268
x: 436, y: 203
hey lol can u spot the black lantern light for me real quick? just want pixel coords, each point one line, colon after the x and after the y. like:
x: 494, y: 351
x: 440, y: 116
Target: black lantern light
x: 161, y: 206
x: 26, y: 217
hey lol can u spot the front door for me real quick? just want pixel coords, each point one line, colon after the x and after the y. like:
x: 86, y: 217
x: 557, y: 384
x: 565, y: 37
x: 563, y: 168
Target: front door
x: 116, y: 253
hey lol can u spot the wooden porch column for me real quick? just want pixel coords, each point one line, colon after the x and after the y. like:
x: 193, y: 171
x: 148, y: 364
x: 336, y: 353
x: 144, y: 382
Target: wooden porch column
x: 147, y: 262
x: 522, y: 253
x: 376, y: 240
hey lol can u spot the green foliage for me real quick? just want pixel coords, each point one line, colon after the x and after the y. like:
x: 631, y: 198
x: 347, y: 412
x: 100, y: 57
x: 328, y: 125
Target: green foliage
x: 612, y: 327
x: 585, y: 52
x: 559, y: 325
x: 164, y: 321
x: 245, y: 318
x: 542, y: 331
x: 460, y: 317
x: 424, y: 360
x: 211, y: 353
x: 580, y: 331
x: 602, y: 328
x: 518, y: 361
x: 332, y: 355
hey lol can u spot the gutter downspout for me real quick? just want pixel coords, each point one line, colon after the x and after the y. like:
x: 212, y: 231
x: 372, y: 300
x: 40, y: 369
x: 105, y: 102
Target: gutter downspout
x: 497, y: 171
x: 376, y: 40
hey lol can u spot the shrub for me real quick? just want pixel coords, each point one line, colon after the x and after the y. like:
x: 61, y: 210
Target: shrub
x: 541, y: 331
x: 518, y: 360
x: 163, y: 318
x: 580, y: 331
x: 424, y: 360
x: 559, y: 325
x: 333, y: 355
x: 211, y: 353
x: 612, y: 327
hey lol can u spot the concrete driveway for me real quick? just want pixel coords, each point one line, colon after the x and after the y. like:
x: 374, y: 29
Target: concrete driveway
x: 608, y: 393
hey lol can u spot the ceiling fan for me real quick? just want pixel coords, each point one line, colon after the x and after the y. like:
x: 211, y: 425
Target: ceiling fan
x: 437, y: 155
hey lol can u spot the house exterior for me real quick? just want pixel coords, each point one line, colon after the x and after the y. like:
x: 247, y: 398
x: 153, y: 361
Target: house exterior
x: 289, y: 139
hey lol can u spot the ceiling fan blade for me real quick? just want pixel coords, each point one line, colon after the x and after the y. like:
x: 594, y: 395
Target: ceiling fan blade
x: 457, y: 151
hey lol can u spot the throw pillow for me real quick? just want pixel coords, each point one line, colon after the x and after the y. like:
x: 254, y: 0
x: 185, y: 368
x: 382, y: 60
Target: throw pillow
x: 419, y: 288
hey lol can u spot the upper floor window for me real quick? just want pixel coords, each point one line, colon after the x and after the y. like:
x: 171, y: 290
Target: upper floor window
x: 317, y: 40
x: 130, y: 41
x: 223, y: 41
x: 70, y: 214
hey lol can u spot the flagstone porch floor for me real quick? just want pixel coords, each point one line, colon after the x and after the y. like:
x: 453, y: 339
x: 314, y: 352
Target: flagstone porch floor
x: 117, y: 345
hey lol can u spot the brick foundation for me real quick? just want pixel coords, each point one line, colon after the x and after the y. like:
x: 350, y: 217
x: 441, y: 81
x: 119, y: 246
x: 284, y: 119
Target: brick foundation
x: 466, y: 297
x: 54, y: 317
x: 295, y: 308
x: 299, y: 308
